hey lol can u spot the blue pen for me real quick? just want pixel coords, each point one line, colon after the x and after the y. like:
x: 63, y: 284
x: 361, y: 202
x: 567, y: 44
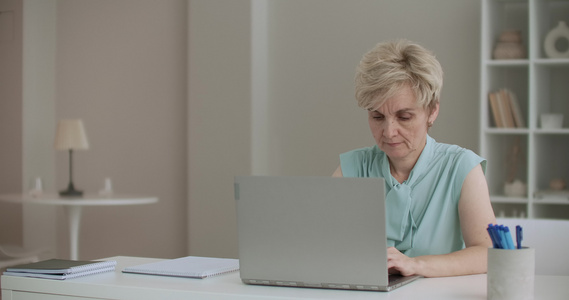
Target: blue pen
x: 495, y: 235
x: 492, y: 237
x: 509, y: 238
x: 519, y: 236
x: 498, y: 235
x: 508, y: 243
x: 503, y: 237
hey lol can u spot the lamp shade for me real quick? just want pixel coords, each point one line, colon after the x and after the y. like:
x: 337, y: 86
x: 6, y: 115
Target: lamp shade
x: 71, y: 135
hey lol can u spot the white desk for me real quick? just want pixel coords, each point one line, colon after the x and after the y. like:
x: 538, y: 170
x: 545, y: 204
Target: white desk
x: 116, y: 285
x: 74, y: 208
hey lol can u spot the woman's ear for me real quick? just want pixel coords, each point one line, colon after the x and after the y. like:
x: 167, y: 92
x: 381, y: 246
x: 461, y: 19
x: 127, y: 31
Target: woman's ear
x: 434, y: 114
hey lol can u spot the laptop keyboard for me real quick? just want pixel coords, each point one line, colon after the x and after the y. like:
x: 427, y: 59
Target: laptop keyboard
x: 395, y: 278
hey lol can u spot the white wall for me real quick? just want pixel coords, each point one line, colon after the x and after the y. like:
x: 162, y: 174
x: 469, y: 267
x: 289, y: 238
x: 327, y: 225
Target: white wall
x: 311, y: 48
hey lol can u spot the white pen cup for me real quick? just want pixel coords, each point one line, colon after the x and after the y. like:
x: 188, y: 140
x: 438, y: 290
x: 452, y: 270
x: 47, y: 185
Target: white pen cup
x: 511, y: 274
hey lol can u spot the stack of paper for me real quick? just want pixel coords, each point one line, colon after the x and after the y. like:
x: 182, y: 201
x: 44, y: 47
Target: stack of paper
x: 61, y: 269
x: 190, y: 266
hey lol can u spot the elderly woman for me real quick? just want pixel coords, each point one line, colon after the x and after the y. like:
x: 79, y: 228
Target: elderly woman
x: 437, y: 201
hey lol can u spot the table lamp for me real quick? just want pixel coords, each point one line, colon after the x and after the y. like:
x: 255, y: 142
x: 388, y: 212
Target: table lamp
x: 71, y: 136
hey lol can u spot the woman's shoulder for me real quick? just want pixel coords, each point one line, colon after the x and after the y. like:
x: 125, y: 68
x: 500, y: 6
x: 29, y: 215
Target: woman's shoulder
x: 453, y: 150
x: 363, y: 154
x: 371, y: 150
x: 361, y: 162
x: 459, y: 156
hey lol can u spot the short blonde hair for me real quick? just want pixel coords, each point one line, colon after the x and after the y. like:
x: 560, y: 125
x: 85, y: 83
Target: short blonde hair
x: 390, y: 66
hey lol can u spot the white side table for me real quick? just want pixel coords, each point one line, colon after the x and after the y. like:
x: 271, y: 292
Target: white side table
x: 74, y: 208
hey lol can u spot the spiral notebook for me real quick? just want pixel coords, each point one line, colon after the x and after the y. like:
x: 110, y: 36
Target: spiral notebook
x: 189, y: 266
x: 61, y: 269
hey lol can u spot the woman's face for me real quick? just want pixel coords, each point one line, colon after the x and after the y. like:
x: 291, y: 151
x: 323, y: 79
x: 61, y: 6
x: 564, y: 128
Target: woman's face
x: 400, y: 125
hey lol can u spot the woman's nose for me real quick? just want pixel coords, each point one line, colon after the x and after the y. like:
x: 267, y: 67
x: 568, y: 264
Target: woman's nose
x: 390, y: 128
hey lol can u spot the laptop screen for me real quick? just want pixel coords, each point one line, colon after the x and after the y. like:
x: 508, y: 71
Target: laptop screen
x: 312, y: 231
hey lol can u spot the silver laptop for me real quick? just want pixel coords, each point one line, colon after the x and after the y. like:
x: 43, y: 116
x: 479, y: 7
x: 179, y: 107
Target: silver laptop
x: 317, y: 232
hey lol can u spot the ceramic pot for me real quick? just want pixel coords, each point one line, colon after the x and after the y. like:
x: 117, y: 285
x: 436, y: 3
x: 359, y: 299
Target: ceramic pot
x: 511, y: 36
x: 508, y: 50
x: 509, y: 46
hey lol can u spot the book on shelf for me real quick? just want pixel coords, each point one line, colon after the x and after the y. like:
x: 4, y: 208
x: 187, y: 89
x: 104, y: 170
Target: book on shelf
x: 516, y: 110
x: 506, y: 111
x: 61, y: 268
x: 189, y: 266
x: 495, y: 110
x: 506, y: 108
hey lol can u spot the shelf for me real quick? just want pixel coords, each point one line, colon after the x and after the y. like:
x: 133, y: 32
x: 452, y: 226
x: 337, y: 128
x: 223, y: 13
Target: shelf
x: 552, y: 61
x: 552, y: 131
x: 494, y: 130
x: 524, y: 131
x: 508, y: 62
x: 505, y: 199
x: 526, y: 62
x: 530, y: 154
x: 555, y: 202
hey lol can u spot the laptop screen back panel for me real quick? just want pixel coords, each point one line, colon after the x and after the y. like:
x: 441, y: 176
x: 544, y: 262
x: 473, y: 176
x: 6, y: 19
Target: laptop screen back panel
x: 312, y: 230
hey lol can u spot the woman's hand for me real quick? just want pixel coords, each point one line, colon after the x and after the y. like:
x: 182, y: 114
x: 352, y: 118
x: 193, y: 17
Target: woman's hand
x: 399, y: 263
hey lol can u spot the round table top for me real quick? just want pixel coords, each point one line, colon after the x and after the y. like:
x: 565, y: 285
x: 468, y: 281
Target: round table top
x: 85, y: 200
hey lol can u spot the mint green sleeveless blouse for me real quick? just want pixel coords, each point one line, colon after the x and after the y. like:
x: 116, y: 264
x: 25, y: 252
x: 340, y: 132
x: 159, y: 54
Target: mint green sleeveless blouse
x: 422, y: 212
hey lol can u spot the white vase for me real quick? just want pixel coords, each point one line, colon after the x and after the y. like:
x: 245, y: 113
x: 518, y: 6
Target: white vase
x: 551, y: 39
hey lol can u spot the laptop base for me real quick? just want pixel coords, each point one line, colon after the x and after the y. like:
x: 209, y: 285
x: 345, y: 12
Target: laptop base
x: 395, y: 281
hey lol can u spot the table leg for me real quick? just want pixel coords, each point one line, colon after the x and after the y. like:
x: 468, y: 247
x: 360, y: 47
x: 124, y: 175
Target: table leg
x: 74, y: 214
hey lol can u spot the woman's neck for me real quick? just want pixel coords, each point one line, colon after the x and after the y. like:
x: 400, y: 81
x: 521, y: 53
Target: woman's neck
x: 401, y: 168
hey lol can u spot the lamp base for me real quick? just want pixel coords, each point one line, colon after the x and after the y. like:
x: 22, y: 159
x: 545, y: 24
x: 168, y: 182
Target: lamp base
x: 71, y: 191
x: 68, y: 193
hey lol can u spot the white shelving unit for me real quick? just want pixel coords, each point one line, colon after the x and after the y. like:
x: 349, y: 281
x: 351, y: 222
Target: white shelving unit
x: 541, y: 85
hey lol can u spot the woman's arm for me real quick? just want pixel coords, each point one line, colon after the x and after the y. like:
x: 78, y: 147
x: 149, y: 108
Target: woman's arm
x: 338, y: 172
x: 475, y: 212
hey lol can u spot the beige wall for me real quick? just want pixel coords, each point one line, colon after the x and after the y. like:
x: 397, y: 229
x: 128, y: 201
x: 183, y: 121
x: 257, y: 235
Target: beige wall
x: 218, y: 121
x: 27, y: 44
x: 121, y: 67
x: 307, y: 54
x: 179, y: 96
x: 11, y: 124
x: 314, y: 48
x: 38, y: 102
